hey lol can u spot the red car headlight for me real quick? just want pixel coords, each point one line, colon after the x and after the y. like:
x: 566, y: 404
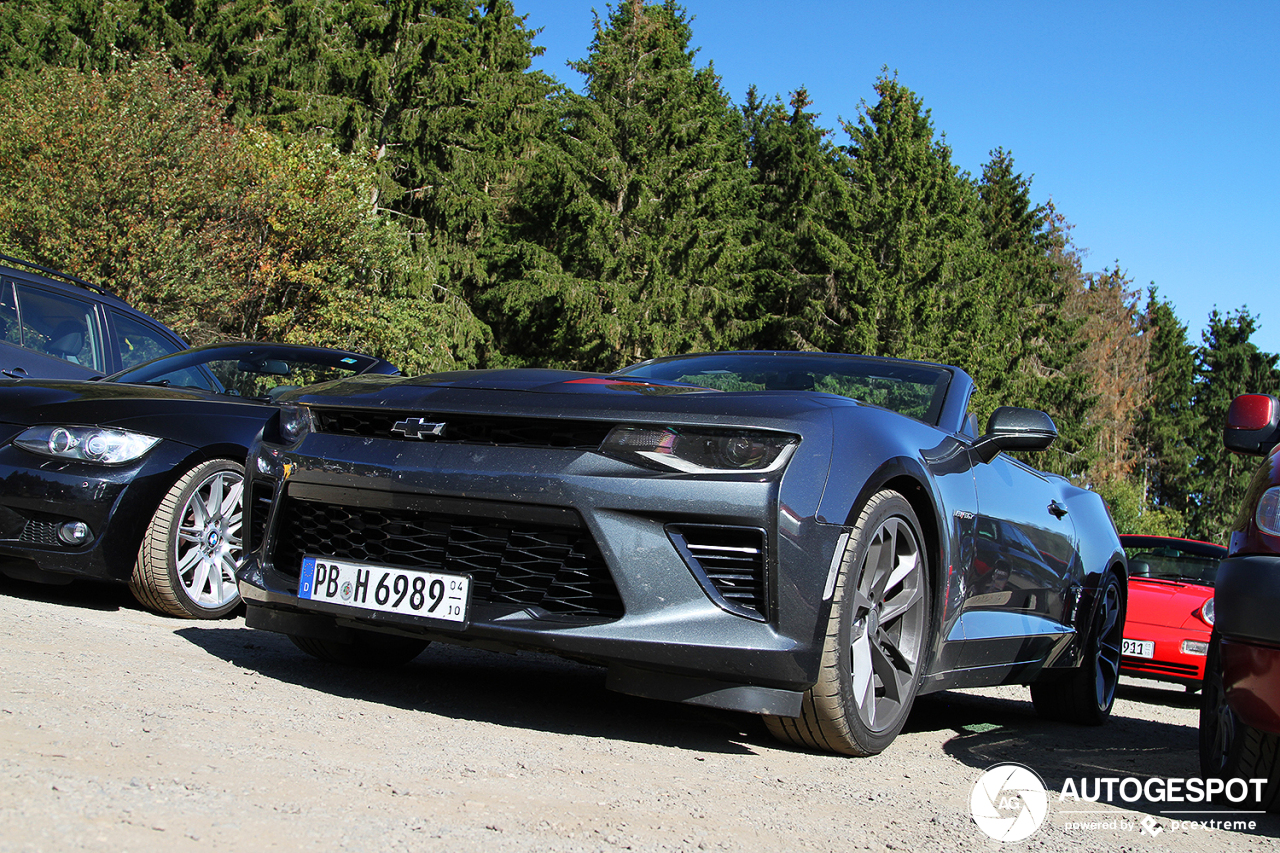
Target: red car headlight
x: 1206, y: 612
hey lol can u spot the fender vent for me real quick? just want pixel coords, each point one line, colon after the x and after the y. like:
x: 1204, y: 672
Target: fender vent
x: 259, y: 509
x: 730, y: 564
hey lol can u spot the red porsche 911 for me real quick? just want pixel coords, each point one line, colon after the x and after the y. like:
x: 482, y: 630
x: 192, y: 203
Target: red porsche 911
x: 1170, y: 618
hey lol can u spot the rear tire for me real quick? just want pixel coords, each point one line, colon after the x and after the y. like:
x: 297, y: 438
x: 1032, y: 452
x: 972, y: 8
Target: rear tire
x: 876, y: 637
x: 1229, y: 747
x: 186, y: 565
x: 366, y: 649
x: 1086, y: 694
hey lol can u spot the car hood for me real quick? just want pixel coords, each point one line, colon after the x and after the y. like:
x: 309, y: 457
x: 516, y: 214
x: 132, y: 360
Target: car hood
x: 563, y: 394
x: 1168, y: 603
x: 26, y: 401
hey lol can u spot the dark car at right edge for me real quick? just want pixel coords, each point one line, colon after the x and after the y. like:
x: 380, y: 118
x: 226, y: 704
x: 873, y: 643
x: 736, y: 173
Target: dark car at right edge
x: 1240, y: 712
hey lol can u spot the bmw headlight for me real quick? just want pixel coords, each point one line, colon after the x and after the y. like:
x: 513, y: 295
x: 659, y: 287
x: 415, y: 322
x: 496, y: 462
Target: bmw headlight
x: 86, y: 444
x: 699, y: 450
x: 1268, y: 514
x: 295, y: 423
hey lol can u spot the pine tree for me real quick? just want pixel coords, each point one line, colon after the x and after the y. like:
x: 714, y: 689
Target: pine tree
x: 1169, y: 425
x: 803, y: 219
x: 629, y: 241
x: 918, y: 280
x: 1227, y: 365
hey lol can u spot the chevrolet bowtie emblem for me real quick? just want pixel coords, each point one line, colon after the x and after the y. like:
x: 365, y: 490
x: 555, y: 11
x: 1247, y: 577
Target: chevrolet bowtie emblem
x: 418, y: 428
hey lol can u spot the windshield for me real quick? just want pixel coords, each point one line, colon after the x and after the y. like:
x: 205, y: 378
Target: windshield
x: 1167, y: 563
x: 246, y: 371
x: 910, y: 388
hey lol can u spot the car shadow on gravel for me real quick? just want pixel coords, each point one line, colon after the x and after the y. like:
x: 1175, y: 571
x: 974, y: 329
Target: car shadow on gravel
x: 994, y: 730
x: 529, y: 691
x: 82, y: 592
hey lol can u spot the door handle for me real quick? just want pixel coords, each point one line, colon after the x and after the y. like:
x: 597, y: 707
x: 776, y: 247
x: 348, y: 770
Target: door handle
x: 15, y: 373
x: 1057, y: 510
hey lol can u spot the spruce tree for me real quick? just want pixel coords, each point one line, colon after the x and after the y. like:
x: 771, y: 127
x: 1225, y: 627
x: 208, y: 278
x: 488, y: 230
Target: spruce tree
x: 1227, y: 365
x: 629, y: 238
x: 1168, y: 427
x: 917, y: 286
x: 802, y: 221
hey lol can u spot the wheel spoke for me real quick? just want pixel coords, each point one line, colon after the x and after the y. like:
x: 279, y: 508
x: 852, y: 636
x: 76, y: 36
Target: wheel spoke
x: 230, y: 505
x: 886, y: 555
x: 190, y: 534
x: 217, y: 594
x: 213, y: 496
x: 186, y: 561
x: 886, y: 660
x: 901, y: 604
x: 1111, y: 612
x: 198, y: 579
x: 861, y: 670
x: 199, y: 511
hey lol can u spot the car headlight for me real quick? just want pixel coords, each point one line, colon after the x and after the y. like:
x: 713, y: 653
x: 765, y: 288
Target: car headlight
x: 1206, y: 612
x: 696, y: 450
x: 1268, y: 514
x: 86, y: 444
x: 295, y: 423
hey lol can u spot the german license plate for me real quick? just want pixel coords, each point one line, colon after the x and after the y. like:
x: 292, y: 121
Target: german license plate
x: 1138, y: 648
x: 385, y: 589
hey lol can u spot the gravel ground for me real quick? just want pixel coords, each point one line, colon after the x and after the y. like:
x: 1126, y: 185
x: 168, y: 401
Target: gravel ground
x: 123, y: 730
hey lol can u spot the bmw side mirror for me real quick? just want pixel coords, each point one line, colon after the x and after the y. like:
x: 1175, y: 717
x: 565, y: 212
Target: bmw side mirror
x: 1012, y: 428
x: 1253, y: 424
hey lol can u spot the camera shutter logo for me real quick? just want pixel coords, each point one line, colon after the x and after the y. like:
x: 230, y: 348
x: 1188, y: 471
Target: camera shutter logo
x: 1009, y: 802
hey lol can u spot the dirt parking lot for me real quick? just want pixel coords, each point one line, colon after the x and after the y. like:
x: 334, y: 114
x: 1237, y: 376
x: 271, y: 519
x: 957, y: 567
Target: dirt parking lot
x: 123, y: 730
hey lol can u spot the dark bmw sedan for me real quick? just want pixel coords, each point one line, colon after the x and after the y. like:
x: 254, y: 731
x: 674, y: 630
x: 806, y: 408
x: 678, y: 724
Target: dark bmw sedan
x: 139, y: 477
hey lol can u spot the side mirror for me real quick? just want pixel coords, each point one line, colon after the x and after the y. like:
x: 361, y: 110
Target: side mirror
x: 1011, y: 428
x: 1253, y: 424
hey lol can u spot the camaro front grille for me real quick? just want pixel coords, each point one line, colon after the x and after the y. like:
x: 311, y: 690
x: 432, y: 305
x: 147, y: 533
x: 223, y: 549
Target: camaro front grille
x: 532, y: 564
x: 467, y: 429
x: 730, y: 559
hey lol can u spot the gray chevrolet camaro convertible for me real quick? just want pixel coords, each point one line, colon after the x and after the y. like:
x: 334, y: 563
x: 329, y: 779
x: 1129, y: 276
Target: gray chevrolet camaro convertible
x: 816, y: 538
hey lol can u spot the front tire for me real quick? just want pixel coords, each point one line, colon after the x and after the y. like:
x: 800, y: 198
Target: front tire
x: 1229, y: 747
x: 186, y: 564
x: 1086, y: 694
x: 873, y: 653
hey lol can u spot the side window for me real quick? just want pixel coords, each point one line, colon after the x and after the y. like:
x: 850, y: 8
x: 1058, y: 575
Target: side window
x: 61, y: 326
x: 139, y: 342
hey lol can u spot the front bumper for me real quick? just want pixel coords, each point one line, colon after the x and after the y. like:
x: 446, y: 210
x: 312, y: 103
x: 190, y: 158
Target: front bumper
x: 1247, y: 601
x: 1170, y: 663
x: 37, y: 494
x: 661, y: 626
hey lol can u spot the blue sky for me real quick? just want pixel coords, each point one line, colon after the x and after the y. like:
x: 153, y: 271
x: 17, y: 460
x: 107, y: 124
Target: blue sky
x: 1153, y: 126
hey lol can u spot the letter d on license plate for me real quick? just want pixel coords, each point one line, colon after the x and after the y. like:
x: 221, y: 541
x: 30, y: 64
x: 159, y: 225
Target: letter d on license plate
x: 386, y: 589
